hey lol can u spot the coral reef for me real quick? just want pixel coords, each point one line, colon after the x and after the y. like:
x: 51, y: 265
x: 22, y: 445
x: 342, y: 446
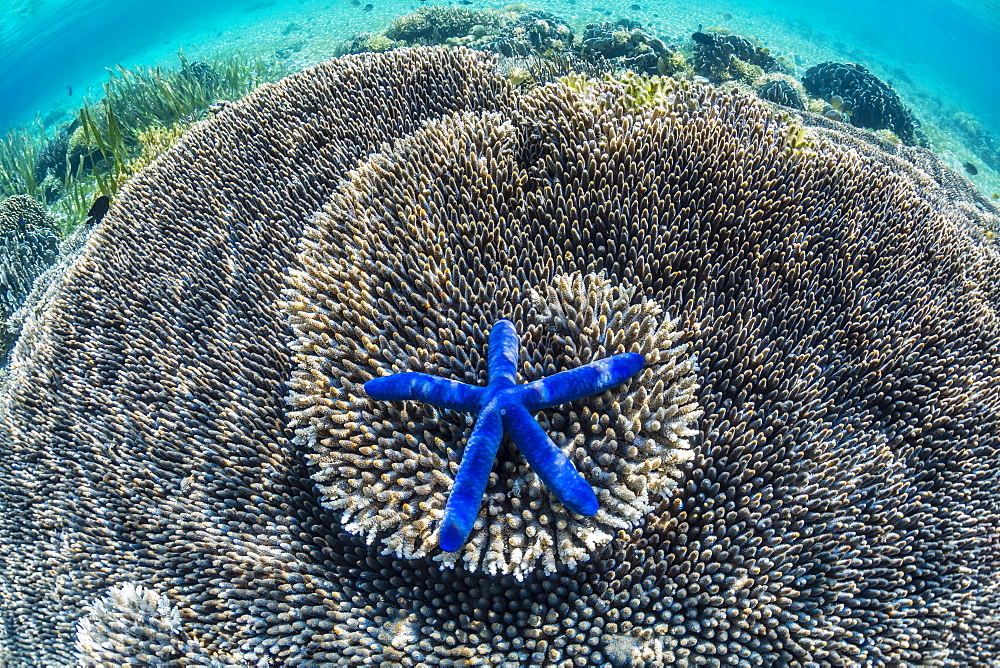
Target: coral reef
x: 627, y: 45
x: 20, y: 213
x: 44, y: 290
x: 568, y: 321
x: 532, y: 33
x: 874, y: 104
x: 370, y: 41
x: 50, y: 160
x: 781, y: 89
x: 216, y: 240
x: 840, y: 507
x: 28, y: 246
x: 985, y: 144
x: 530, y: 36
x: 529, y: 71
x: 721, y: 57
x: 433, y: 25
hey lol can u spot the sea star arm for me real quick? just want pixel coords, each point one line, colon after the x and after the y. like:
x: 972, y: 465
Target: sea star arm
x: 548, y: 461
x: 504, y: 405
x: 583, y: 381
x: 440, y: 392
x: 470, y: 484
x: 505, y: 348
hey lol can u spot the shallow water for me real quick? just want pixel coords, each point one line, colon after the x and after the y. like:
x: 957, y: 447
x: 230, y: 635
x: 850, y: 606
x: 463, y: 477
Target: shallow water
x: 941, y: 57
x: 942, y: 49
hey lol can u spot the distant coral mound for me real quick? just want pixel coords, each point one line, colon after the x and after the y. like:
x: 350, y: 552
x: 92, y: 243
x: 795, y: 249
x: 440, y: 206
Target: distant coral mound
x: 720, y: 57
x: 874, y: 103
x: 781, y: 89
x: 839, y: 506
x: 433, y: 25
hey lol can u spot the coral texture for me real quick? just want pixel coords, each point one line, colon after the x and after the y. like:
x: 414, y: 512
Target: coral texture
x: 502, y: 406
x: 137, y: 624
x: 532, y: 33
x: 627, y: 449
x: 875, y: 104
x: 781, y: 89
x: 723, y: 57
x: 840, y: 507
x: 28, y: 246
x: 625, y: 44
x: 433, y: 25
x: 21, y: 213
x: 155, y: 381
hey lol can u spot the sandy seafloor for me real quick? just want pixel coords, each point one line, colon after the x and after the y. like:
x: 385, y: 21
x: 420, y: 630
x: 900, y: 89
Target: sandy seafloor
x: 942, y: 57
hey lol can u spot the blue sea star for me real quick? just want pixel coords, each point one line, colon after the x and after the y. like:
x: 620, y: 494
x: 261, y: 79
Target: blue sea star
x: 503, y: 404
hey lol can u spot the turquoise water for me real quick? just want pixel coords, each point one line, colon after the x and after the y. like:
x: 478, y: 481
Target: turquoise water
x: 946, y: 51
x: 941, y: 56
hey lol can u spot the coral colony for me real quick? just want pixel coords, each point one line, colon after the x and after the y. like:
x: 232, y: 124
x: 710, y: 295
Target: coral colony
x: 505, y: 405
x: 192, y: 474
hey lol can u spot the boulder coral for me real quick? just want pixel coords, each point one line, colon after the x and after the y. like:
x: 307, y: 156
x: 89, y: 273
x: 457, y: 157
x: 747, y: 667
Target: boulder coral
x: 722, y: 57
x: 781, y: 89
x: 874, y: 103
x: 840, y: 502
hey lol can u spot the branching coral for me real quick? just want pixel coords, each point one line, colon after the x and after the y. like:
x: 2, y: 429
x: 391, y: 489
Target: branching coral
x: 840, y: 504
x: 133, y: 466
x: 28, y: 246
x: 874, y: 103
x: 391, y: 469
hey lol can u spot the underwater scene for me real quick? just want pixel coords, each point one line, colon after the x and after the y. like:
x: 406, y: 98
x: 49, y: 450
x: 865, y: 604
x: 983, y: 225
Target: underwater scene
x: 560, y: 334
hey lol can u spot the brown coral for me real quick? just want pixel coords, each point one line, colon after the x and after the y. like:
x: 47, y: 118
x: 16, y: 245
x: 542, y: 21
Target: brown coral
x: 841, y: 506
x: 391, y: 470
x: 28, y: 246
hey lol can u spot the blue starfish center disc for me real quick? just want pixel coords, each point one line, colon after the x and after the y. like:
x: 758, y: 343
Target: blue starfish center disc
x: 501, y: 406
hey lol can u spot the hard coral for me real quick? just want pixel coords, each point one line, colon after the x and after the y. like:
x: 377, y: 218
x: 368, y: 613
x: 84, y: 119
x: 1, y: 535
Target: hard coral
x: 533, y: 33
x: 781, y: 89
x: 166, y: 387
x: 22, y: 213
x: 720, y: 57
x: 505, y: 406
x: 391, y: 470
x: 841, y: 505
x: 433, y: 25
x: 28, y: 246
x: 625, y: 44
x: 875, y: 104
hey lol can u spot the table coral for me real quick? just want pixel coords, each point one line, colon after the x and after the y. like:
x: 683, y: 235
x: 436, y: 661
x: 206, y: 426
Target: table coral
x: 391, y: 470
x: 505, y: 405
x: 835, y: 301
